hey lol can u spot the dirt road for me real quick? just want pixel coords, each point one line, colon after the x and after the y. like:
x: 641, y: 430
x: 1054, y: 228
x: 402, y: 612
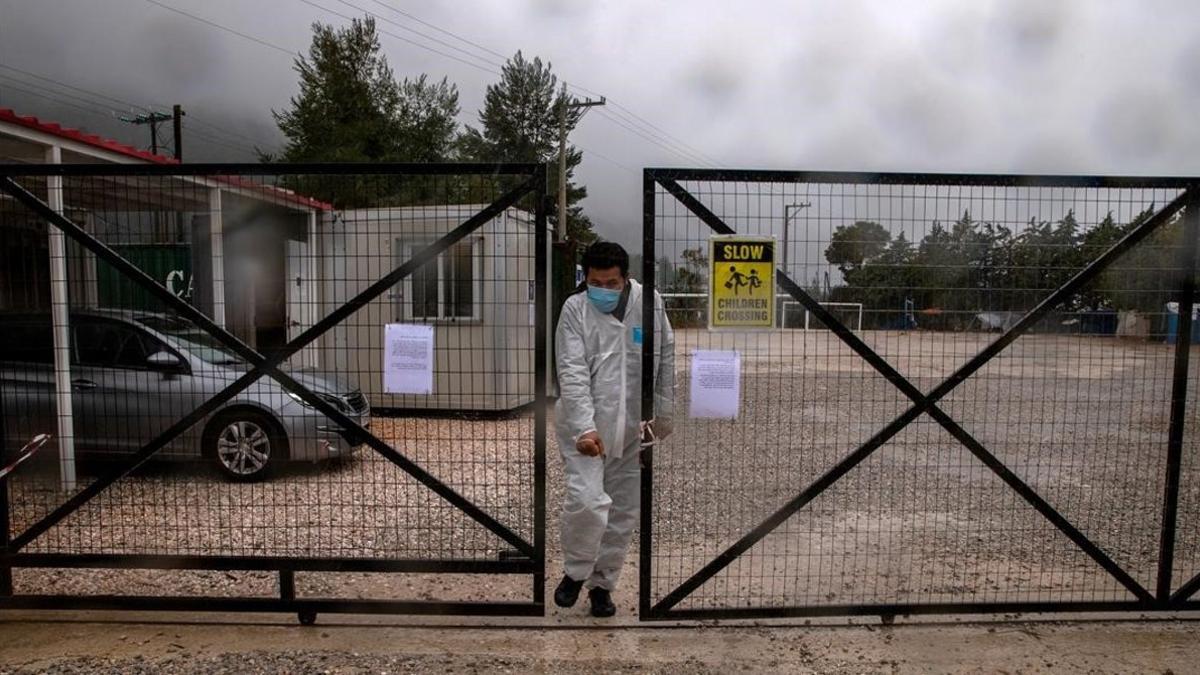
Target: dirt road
x: 181, y: 644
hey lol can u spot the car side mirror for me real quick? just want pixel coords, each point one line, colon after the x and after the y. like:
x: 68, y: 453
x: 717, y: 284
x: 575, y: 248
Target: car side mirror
x: 165, y: 362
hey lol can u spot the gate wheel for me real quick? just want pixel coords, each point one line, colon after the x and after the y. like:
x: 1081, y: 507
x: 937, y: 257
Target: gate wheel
x: 307, y: 617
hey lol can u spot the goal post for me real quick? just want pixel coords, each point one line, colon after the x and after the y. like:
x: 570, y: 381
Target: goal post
x: 850, y: 313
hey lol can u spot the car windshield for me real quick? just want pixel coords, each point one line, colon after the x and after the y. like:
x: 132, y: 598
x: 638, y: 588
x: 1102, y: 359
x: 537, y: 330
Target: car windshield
x: 187, y: 335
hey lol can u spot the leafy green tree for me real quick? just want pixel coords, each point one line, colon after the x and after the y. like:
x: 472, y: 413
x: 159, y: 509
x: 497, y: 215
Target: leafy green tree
x: 428, y: 124
x: 520, y: 123
x: 884, y: 282
x: 690, y: 277
x: 937, y: 268
x: 346, y: 108
x: 959, y: 270
x: 1145, y: 277
x: 351, y: 108
x: 1045, y: 255
x: 852, y: 246
x: 1093, y: 244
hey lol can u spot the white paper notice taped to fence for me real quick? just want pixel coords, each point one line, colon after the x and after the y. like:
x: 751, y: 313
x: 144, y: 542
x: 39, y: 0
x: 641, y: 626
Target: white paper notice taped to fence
x: 407, y: 359
x: 716, y: 386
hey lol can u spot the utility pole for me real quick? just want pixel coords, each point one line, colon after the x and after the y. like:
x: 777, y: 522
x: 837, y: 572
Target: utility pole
x: 177, y: 118
x: 787, y: 211
x: 153, y: 119
x: 561, y: 229
x: 786, y: 222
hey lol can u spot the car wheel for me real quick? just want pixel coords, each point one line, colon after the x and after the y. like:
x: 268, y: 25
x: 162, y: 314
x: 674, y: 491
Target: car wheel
x: 245, y: 445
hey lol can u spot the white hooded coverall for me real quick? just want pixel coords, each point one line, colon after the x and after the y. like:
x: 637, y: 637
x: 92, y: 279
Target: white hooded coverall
x: 600, y: 389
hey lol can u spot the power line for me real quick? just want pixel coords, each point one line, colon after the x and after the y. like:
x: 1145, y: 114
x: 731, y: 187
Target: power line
x: 92, y: 106
x: 648, y: 138
x: 441, y: 30
x: 610, y: 160
x: 629, y: 115
x: 132, y: 106
x: 215, y: 129
x: 689, y: 153
x: 249, y: 151
x: 112, y: 115
x: 634, y: 118
x: 417, y: 32
x: 385, y: 32
x: 644, y: 122
x: 656, y: 140
x: 153, y: 119
x: 37, y: 88
x: 91, y: 111
x: 632, y: 127
x: 224, y: 28
x: 347, y: 17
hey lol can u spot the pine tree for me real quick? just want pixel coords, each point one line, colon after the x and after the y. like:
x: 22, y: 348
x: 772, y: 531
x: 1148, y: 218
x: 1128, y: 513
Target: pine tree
x: 520, y: 123
x: 351, y: 108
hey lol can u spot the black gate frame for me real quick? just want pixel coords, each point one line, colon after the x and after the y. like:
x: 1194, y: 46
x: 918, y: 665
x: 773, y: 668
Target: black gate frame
x: 526, y: 558
x: 1161, y: 599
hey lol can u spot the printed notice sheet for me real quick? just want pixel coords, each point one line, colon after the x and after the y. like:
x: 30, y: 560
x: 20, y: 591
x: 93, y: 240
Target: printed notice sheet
x: 716, y: 384
x: 407, y: 359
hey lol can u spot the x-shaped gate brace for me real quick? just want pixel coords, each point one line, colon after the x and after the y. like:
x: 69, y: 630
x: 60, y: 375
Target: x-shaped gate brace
x: 269, y: 366
x: 927, y: 403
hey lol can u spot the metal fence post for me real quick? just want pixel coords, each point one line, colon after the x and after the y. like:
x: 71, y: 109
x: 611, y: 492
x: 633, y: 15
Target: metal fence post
x: 1183, y: 343
x: 6, y: 587
x: 648, y: 365
x: 541, y: 371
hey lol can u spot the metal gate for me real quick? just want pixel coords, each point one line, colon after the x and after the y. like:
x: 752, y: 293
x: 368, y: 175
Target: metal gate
x: 339, y: 404
x: 976, y: 398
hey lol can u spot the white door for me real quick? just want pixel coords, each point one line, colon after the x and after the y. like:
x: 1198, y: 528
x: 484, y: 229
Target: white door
x: 301, y: 298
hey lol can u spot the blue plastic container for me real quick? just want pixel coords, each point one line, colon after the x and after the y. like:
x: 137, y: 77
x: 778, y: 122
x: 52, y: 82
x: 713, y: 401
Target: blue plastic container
x: 1173, y: 323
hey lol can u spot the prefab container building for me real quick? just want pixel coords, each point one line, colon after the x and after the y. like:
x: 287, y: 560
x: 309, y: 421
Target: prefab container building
x: 478, y: 295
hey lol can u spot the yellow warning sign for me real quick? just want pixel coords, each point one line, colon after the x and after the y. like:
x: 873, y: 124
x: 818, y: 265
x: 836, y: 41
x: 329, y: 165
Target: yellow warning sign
x: 742, y: 292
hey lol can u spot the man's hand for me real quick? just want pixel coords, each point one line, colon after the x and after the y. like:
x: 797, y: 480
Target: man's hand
x: 590, y: 445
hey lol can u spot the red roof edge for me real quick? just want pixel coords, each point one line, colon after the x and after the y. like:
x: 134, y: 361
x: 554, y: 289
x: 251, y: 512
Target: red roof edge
x: 55, y: 129
x: 275, y: 193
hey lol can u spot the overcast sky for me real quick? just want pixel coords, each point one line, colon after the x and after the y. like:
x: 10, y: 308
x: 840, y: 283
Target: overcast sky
x: 1029, y: 86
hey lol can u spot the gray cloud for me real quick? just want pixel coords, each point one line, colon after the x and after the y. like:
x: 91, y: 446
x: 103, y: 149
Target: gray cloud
x: 1006, y: 85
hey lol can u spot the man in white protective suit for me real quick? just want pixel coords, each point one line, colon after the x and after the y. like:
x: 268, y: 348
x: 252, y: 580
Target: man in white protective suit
x: 598, y: 418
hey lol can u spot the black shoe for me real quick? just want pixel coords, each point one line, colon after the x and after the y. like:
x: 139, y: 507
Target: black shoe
x: 602, y: 604
x: 567, y: 592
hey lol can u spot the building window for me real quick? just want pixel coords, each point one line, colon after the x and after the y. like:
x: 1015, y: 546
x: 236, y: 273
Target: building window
x: 447, y: 288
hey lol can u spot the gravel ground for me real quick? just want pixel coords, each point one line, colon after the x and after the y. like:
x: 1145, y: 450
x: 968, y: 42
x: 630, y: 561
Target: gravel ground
x: 1082, y: 420
x: 340, y: 662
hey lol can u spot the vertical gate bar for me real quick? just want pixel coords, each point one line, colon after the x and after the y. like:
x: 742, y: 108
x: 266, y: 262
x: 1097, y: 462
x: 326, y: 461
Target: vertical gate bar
x: 287, y: 585
x: 1183, y: 343
x: 6, y: 587
x: 5, y: 533
x: 647, y: 485
x: 541, y: 370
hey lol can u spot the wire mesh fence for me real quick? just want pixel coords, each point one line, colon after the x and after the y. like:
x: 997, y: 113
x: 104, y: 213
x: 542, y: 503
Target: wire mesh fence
x: 343, y: 372
x: 928, y: 469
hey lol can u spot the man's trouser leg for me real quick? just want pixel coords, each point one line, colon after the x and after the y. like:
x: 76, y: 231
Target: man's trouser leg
x: 622, y: 483
x: 585, y: 512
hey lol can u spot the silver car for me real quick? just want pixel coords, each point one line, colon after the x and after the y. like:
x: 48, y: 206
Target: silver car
x: 133, y: 374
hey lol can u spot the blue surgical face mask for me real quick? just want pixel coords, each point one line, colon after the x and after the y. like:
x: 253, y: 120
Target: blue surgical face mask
x: 604, y: 299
